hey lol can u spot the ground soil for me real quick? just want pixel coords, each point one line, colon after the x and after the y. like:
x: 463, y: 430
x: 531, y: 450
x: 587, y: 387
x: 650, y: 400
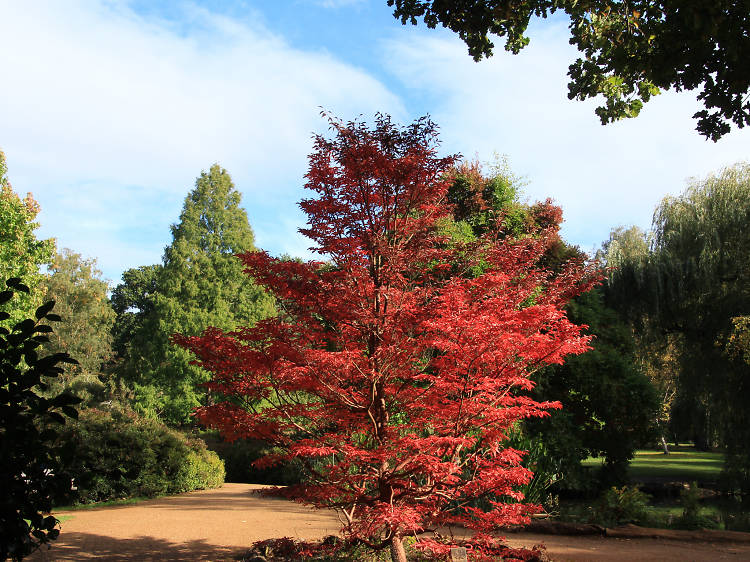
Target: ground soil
x: 221, y: 524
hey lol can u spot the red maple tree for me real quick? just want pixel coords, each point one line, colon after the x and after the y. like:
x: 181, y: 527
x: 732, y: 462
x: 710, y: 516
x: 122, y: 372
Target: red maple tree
x: 392, y: 374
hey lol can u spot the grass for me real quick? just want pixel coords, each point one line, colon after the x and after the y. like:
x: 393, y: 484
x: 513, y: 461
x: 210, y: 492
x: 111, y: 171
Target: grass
x: 109, y: 503
x: 682, y: 464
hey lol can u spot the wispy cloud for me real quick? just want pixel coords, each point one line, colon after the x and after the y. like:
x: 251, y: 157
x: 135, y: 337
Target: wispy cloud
x: 108, y: 114
x: 108, y: 117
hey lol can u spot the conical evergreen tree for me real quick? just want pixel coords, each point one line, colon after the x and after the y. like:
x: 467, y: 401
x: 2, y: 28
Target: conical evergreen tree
x: 200, y: 284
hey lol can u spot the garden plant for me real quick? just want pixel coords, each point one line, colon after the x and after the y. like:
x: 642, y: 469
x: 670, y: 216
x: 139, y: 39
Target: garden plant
x: 30, y: 476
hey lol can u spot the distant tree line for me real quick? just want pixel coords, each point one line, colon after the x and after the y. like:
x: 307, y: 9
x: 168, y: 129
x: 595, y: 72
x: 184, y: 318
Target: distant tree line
x: 685, y: 289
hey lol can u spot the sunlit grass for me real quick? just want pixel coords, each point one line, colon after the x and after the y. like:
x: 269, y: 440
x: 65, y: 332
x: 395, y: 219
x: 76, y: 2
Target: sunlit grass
x: 681, y: 465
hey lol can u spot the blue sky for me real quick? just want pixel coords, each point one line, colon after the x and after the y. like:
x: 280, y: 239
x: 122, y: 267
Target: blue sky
x: 110, y: 109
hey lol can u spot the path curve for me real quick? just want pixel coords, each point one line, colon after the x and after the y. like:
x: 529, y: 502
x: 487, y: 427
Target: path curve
x: 222, y: 523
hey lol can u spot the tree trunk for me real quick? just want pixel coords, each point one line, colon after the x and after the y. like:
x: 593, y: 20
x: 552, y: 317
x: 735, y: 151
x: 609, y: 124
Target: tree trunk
x: 398, y: 554
x: 664, y: 445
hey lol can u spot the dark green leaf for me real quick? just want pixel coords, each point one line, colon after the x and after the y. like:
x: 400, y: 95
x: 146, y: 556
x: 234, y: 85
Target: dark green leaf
x: 42, y: 311
x: 15, y: 283
x: 69, y: 360
x: 45, y: 363
x: 49, y: 434
x: 15, y: 339
x: 5, y: 296
x: 70, y: 412
x: 24, y: 326
x: 30, y: 356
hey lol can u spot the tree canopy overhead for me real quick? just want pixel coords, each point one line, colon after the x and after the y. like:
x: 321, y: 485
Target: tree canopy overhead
x: 631, y: 49
x: 393, y: 381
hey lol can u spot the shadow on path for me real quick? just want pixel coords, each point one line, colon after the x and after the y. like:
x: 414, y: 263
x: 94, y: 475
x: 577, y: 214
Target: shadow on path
x: 85, y: 546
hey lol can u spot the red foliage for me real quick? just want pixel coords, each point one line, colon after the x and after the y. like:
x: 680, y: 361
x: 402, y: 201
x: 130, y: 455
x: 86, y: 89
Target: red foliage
x: 546, y: 215
x: 392, y: 381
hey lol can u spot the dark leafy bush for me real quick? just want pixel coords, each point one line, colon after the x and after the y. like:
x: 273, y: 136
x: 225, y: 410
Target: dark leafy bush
x: 617, y: 506
x: 735, y: 513
x: 691, y: 517
x: 239, y: 456
x: 116, y: 454
x: 30, y: 478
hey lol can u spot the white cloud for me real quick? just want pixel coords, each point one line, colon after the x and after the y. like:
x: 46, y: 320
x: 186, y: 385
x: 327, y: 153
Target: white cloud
x: 97, y: 99
x: 108, y: 116
x: 517, y: 105
x: 336, y: 3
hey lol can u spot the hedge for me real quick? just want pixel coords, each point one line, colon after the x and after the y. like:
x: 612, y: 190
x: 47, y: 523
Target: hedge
x: 115, y: 454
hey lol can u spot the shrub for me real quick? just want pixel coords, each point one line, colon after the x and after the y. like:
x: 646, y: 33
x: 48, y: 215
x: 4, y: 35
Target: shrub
x: 735, y: 513
x: 691, y: 517
x: 622, y: 505
x: 30, y: 478
x: 116, y: 454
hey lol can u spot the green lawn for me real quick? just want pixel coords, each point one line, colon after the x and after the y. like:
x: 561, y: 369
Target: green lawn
x: 108, y: 503
x: 681, y: 465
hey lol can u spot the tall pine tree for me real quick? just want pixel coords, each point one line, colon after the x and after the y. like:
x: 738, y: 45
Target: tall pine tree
x: 200, y: 284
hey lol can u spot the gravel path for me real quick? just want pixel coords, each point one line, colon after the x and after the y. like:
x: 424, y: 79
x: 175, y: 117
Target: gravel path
x: 221, y: 524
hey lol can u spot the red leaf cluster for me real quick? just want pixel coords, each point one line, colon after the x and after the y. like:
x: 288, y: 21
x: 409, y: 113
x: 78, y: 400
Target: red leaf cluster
x: 394, y: 382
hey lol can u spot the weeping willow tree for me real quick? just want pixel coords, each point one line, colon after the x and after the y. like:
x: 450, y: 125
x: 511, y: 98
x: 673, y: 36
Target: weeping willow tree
x: 691, y: 291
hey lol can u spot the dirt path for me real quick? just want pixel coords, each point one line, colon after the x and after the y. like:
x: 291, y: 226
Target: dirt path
x: 220, y: 524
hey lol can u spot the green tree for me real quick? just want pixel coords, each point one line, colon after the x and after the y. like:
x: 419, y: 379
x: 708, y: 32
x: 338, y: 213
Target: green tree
x: 608, y: 402
x: 693, y: 291
x: 627, y: 256
x: 624, y: 245
x: 631, y: 49
x: 481, y: 200
x: 702, y: 263
x: 133, y: 302
x: 21, y: 254
x: 200, y: 284
x: 80, y: 296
